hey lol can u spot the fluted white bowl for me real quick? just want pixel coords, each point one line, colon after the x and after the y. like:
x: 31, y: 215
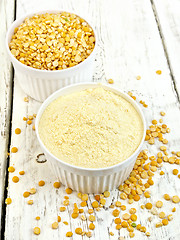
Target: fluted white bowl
x: 89, y: 180
x: 39, y: 84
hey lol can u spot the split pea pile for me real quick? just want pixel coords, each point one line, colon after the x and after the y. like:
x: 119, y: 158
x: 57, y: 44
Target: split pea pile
x: 135, y: 188
x: 52, y: 41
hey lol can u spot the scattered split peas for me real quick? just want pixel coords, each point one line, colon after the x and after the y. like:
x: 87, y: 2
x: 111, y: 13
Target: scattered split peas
x: 83, y: 204
x: 66, y: 202
x: 130, y: 229
x: 143, y: 171
x: 78, y: 231
x: 158, y: 72
x: 90, y: 211
x: 17, y: 131
x: 41, y: 183
x: 117, y: 220
x: 174, y: 209
x: 65, y: 223
x: 106, y: 194
x: 161, y: 173
x: 92, y: 218
x: 148, y: 205
x: 133, y: 217
x: 74, y: 215
x: 102, y: 201
x: 162, y: 215
x: 37, y: 230
x: 131, y: 234
x: 15, y: 179
x: 11, y: 169
x: 57, y: 185
x: 68, y: 190
x: 136, y: 198
x: 83, y: 218
x: 95, y: 204
x: 59, y: 219
x: 62, y: 209
x: 118, y: 227
x: 8, y: 201
x: 32, y: 191
x: 54, y: 225
x: 162, y: 113
x: 29, y: 122
x: 30, y: 202
x: 159, y: 224
x: 14, y: 149
x: 110, y: 81
x: 143, y: 229
x: 124, y: 224
x: 21, y: 172
x: 175, y: 199
x: 132, y: 210
x: 84, y: 197
x: 26, y: 194
x: 165, y: 222
x: 26, y: 99
x: 115, y: 213
x: 167, y: 197
x: 88, y: 234
x: 91, y: 226
x: 97, y: 197
x: 159, y: 204
x: 69, y: 234
x: 175, y: 171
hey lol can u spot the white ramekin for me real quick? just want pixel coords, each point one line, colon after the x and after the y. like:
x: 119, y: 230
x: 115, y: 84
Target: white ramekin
x: 89, y: 180
x: 39, y: 84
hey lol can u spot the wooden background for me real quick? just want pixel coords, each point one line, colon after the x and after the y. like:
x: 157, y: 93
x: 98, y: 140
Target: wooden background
x: 136, y: 37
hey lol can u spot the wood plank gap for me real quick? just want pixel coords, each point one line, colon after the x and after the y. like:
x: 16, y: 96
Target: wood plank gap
x: 165, y: 49
x: 3, y: 216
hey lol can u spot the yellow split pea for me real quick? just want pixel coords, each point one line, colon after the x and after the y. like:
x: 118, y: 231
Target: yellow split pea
x: 57, y: 185
x: 41, y: 183
x: 15, y: 179
x: 14, y: 149
x: 8, y: 201
x: 68, y: 190
x: 55, y: 225
x: 21, y: 172
x: 11, y: 169
x: 78, y: 231
x: 69, y: 234
x: 52, y: 41
x: 17, y: 131
x: 37, y: 230
x: 158, y: 72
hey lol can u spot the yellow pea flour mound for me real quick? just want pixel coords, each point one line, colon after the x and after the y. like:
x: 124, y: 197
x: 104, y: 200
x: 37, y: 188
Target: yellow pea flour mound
x: 93, y: 128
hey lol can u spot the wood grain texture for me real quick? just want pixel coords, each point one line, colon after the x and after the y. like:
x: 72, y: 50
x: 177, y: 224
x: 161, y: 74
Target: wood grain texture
x: 6, y: 18
x: 168, y: 17
x: 129, y: 45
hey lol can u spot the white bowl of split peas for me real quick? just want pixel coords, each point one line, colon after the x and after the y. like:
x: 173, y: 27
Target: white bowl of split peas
x: 50, y: 50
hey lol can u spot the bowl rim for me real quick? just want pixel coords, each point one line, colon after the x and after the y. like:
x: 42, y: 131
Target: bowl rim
x: 18, y: 21
x: 88, y: 85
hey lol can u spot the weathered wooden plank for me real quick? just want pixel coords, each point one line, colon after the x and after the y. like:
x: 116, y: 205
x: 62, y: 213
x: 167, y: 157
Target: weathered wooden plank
x: 6, y: 18
x: 168, y: 19
x: 129, y: 45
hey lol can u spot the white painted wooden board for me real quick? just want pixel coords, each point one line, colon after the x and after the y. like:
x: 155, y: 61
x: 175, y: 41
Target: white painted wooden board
x: 168, y: 16
x: 129, y: 45
x: 6, y: 18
